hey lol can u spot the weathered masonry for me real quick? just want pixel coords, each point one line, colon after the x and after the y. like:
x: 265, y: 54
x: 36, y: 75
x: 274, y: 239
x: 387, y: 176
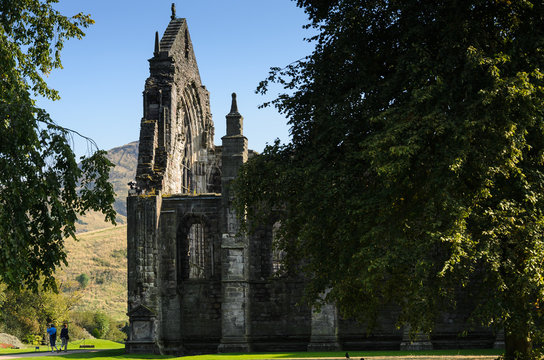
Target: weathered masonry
x: 194, y: 285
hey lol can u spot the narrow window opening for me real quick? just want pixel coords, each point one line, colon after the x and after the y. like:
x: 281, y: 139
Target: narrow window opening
x: 277, y: 254
x: 197, y: 252
x: 186, y: 44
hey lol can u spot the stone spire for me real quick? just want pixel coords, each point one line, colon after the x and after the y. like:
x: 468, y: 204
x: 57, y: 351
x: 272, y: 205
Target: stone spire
x: 157, y: 44
x: 234, y: 119
x: 234, y: 106
x: 173, y: 17
x: 235, y: 287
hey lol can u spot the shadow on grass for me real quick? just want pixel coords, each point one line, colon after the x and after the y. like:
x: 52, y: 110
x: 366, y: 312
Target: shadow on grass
x: 117, y: 354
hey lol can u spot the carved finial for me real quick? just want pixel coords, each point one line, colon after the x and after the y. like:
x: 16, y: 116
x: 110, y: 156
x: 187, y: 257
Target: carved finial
x: 234, y: 105
x: 173, y: 11
x: 157, y: 44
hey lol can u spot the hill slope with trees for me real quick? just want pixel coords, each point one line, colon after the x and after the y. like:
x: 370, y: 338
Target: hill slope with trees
x: 97, y: 261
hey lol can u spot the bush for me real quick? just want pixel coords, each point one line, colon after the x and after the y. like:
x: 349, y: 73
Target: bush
x: 99, y: 325
x: 10, y: 339
x: 102, y: 322
x: 83, y: 280
x: 84, y: 319
x: 119, y: 253
x: 117, y: 332
x: 76, y: 332
x: 33, y: 339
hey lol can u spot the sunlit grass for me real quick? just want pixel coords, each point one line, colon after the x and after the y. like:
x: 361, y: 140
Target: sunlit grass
x: 119, y: 353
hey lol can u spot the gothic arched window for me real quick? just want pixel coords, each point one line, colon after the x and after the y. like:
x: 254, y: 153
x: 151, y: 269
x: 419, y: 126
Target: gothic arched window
x: 198, y: 252
x: 277, y: 253
x: 194, y: 249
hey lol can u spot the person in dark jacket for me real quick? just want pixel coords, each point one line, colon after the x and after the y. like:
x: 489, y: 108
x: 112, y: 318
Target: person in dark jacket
x: 64, y: 337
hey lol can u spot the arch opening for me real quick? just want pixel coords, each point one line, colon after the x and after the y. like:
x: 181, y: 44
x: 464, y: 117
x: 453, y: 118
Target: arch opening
x: 195, y: 250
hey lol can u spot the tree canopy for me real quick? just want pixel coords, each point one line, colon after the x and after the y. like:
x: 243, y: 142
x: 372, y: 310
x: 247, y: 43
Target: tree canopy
x: 43, y: 189
x: 25, y: 313
x: 415, y: 171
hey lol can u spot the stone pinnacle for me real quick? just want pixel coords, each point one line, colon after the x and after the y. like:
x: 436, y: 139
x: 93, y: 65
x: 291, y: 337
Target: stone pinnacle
x: 234, y: 106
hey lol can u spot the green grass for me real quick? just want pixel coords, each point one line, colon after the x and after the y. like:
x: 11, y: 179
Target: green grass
x: 98, y: 344
x: 117, y: 352
x: 341, y: 354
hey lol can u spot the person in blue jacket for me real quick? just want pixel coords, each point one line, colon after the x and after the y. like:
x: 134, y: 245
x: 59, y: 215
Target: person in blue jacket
x: 52, y: 331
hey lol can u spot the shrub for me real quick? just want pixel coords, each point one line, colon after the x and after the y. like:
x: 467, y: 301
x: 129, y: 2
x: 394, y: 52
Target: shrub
x: 96, y: 323
x: 117, y: 332
x: 76, y: 332
x: 84, y: 319
x: 102, y: 322
x: 33, y: 339
x: 99, y: 325
x: 119, y: 253
x: 83, y: 280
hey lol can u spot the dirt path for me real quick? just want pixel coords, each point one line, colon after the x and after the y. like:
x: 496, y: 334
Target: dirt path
x: 42, y: 353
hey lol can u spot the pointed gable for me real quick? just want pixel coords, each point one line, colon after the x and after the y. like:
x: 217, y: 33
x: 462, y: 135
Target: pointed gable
x: 141, y: 312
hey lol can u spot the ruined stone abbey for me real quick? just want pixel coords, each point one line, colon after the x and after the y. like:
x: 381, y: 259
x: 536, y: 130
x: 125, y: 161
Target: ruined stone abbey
x: 194, y: 284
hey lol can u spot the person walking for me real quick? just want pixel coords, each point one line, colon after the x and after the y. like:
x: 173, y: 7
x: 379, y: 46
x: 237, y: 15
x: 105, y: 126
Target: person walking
x: 52, y: 331
x: 64, y: 337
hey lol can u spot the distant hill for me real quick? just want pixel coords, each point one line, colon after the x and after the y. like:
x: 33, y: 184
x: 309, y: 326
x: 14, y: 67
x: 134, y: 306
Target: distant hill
x: 125, y: 159
x: 102, y: 256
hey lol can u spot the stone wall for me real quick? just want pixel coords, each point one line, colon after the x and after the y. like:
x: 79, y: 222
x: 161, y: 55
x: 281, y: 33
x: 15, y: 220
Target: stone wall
x: 385, y: 336
x: 190, y: 312
x: 143, y: 269
x: 279, y: 320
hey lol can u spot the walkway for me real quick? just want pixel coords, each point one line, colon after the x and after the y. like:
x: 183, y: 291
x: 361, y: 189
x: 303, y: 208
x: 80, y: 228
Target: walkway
x: 43, y: 353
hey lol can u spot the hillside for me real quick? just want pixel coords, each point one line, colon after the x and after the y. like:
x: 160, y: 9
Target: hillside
x: 102, y: 256
x: 125, y: 159
x: 101, y: 252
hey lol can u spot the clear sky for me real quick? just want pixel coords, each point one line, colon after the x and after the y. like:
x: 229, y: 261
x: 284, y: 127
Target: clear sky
x: 235, y: 43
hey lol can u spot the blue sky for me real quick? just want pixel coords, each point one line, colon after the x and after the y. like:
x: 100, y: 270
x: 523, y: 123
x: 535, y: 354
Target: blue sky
x: 235, y: 43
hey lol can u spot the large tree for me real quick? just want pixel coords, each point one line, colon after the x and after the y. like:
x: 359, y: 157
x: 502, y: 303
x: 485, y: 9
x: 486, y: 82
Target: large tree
x: 415, y: 171
x: 42, y: 187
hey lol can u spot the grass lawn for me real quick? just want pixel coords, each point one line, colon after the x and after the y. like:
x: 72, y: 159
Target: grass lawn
x: 355, y: 355
x: 117, y: 352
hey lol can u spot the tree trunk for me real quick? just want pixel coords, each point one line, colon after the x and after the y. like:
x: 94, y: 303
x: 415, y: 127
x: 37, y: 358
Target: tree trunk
x: 517, y: 346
